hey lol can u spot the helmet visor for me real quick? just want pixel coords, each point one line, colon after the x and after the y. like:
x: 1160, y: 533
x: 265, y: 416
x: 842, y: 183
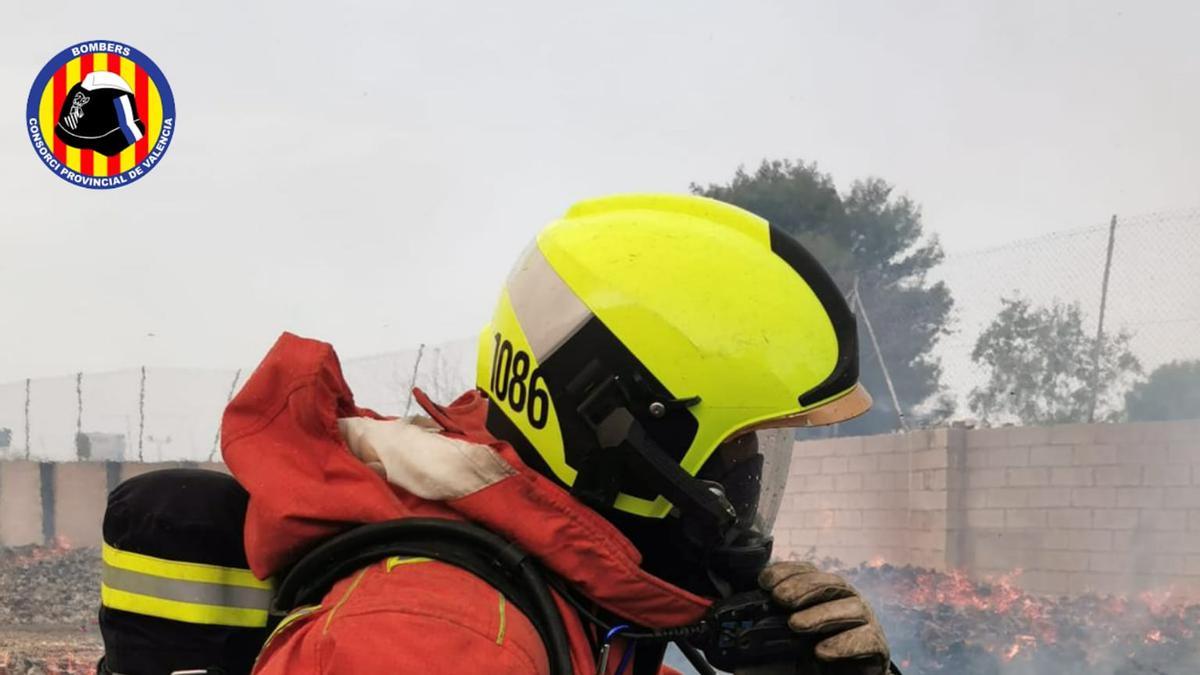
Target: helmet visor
x: 752, y: 470
x: 752, y: 466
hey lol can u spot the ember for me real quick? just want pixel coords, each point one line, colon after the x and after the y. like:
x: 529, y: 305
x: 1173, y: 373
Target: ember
x: 945, y: 622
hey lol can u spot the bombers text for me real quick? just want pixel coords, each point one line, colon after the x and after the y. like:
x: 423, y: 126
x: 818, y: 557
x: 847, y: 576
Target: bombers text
x: 91, y: 47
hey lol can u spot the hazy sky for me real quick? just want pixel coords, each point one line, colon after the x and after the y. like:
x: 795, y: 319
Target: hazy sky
x: 366, y: 172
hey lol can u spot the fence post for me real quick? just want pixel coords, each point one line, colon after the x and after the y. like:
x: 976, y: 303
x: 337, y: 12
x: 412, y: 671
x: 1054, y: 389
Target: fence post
x: 27, y: 418
x: 413, y: 383
x: 887, y: 377
x: 83, y: 449
x: 1112, y: 235
x: 79, y: 402
x: 141, y: 412
x: 217, y: 438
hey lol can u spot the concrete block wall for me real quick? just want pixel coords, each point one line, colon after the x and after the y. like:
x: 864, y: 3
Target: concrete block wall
x: 1102, y: 507
x: 864, y: 498
x: 1109, y: 508
x: 20, y: 503
x: 62, y: 502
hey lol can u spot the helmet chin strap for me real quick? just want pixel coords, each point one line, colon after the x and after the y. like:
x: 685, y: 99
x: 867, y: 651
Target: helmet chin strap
x: 733, y: 554
x: 624, y: 443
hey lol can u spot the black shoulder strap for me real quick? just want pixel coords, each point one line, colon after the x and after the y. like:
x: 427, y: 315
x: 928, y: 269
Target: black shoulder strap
x: 311, y: 578
x: 498, y: 562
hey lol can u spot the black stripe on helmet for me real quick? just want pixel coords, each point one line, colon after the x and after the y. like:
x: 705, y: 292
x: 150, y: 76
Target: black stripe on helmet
x: 597, y: 350
x: 845, y: 372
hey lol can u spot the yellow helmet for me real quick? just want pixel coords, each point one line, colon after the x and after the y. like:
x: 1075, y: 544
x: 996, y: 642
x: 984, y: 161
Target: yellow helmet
x: 640, y: 332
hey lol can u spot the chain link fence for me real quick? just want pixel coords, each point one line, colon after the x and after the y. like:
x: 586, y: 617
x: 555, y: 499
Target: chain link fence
x: 174, y: 414
x: 1153, y: 295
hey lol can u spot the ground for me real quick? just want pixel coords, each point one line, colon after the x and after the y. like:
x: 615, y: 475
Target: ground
x: 936, y: 622
x: 49, y: 598
x: 49, y: 649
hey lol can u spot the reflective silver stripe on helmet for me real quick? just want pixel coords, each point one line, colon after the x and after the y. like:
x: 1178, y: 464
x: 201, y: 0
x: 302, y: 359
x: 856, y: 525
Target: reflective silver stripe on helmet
x: 549, y: 311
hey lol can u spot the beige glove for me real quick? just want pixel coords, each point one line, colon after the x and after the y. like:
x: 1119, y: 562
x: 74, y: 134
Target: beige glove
x: 827, y: 606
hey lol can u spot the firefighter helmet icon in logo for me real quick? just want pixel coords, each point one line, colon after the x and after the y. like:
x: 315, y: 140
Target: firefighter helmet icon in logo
x: 100, y: 114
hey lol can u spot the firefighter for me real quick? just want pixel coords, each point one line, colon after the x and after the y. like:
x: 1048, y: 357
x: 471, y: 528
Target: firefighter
x: 641, y: 352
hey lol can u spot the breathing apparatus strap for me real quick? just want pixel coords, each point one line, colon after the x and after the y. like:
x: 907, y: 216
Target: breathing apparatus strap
x: 491, y: 558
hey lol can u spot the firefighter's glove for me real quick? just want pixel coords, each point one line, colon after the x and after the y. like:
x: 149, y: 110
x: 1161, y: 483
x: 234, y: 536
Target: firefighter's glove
x: 826, y: 606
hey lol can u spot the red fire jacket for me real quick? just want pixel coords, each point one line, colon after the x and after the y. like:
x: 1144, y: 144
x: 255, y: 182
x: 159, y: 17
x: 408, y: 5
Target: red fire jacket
x: 280, y: 439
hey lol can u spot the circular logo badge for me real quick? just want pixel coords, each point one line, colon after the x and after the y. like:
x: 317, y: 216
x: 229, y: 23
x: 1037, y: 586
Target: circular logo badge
x: 100, y: 114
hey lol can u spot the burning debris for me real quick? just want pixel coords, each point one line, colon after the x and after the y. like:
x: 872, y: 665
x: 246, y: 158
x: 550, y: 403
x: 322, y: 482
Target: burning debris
x: 943, y: 622
x: 48, y: 604
x: 937, y: 622
x: 49, y: 585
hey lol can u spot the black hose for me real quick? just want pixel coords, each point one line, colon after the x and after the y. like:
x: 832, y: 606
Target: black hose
x: 695, y: 658
x: 331, y: 560
x: 558, y: 647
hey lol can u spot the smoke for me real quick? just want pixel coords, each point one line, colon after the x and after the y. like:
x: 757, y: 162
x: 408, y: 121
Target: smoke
x: 945, y: 622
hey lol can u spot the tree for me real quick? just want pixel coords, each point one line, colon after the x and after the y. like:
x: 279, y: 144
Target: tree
x: 1040, y: 366
x: 1172, y: 392
x: 868, y: 234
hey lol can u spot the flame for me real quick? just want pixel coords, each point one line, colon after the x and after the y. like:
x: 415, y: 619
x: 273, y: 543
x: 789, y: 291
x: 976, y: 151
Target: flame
x: 951, y: 607
x: 36, y: 554
x: 1022, y: 642
x: 1167, y: 603
x: 955, y: 589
